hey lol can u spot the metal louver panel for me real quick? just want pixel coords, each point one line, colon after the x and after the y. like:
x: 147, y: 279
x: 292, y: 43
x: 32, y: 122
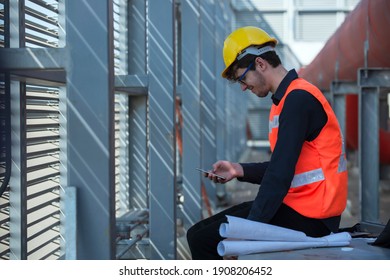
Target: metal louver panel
x: 41, y: 23
x: 276, y: 21
x: 121, y: 155
x: 314, y: 26
x: 258, y: 4
x: 42, y: 216
x: 122, y: 200
x: 43, y: 173
x: 120, y: 36
x: 244, y: 18
x: 258, y: 122
x: 1, y: 24
x: 42, y: 158
x: 4, y: 226
x: 4, y: 197
x: 317, y: 3
x: 4, y: 194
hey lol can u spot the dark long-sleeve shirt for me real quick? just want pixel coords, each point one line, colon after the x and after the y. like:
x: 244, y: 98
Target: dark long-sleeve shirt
x: 301, y: 119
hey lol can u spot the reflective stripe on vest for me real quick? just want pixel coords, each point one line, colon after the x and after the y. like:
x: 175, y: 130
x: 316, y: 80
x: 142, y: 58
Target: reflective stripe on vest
x: 274, y: 123
x: 342, y: 164
x: 307, y: 177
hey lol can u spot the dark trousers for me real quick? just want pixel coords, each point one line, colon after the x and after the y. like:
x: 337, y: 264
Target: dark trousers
x: 203, y: 237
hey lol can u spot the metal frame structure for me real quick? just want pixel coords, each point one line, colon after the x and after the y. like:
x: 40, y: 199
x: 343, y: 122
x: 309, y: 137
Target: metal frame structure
x: 373, y: 83
x: 371, y: 87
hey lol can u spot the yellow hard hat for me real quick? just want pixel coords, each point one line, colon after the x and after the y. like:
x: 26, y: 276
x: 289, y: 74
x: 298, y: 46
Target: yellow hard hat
x: 242, y: 38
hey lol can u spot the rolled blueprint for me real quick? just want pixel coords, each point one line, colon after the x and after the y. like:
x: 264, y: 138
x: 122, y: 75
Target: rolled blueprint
x: 249, y: 237
x: 250, y: 230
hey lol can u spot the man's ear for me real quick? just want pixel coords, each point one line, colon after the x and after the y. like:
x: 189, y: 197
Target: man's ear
x: 260, y: 63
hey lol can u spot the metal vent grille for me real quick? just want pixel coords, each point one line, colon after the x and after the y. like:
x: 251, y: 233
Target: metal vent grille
x: 4, y: 199
x: 4, y: 226
x: 121, y: 155
x: 314, y: 26
x: 2, y: 24
x: 40, y: 211
x: 43, y: 172
x: 122, y: 200
x: 318, y: 3
x: 41, y: 23
x: 120, y: 36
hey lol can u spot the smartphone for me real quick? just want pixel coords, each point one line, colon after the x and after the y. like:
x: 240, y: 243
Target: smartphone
x: 205, y: 171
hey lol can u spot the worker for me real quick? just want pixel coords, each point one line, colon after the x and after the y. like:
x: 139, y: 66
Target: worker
x: 304, y: 184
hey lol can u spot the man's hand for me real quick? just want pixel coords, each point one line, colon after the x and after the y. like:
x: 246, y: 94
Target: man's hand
x: 226, y: 169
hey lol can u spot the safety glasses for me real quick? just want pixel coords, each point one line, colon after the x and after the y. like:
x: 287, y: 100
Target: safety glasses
x: 242, y: 77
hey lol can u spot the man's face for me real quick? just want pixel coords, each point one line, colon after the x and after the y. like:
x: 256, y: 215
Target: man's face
x: 252, y: 80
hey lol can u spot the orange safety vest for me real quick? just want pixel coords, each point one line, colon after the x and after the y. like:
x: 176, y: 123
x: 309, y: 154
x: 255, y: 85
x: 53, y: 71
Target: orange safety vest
x: 320, y: 184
